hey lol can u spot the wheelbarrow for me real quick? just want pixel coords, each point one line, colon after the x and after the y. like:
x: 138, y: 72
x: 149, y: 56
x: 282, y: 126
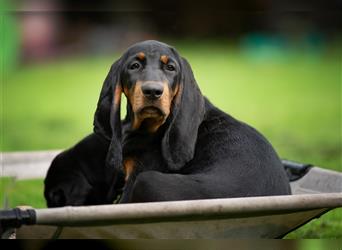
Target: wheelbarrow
x: 315, y: 192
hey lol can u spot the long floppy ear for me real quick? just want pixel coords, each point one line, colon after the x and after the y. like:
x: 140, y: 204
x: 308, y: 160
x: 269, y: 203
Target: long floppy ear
x: 178, y: 144
x: 107, y: 120
x: 108, y: 103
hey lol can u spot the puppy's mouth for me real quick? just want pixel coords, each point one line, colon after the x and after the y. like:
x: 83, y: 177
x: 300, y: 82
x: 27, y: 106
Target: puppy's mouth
x: 149, y: 118
x: 150, y: 112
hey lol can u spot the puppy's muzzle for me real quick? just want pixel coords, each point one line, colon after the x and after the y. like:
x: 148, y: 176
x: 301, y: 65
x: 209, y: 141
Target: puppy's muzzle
x: 152, y: 90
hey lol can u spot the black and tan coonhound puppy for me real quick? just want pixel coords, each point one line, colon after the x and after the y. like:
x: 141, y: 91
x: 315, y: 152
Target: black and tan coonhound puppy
x: 173, y: 144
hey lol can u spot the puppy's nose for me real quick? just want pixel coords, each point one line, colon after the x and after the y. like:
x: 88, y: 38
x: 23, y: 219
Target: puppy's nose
x: 152, y: 90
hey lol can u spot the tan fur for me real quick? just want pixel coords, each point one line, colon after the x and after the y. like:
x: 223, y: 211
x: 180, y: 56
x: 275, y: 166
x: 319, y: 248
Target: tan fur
x: 177, y: 94
x: 138, y: 101
x: 117, y: 96
x: 129, y: 165
x: 164, y: 59
x: 176, y: 90
x: 126, y: 91
x: 141, y: 56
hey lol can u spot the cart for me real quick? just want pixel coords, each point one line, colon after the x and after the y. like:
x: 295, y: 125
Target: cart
x: 315, y: 191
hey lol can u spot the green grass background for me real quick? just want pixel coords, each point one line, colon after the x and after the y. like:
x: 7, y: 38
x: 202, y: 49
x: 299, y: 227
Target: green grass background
x: 292, y: 96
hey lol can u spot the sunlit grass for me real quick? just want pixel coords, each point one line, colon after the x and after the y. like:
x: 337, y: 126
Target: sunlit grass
x: 51, y: 106
x: 22, y: 193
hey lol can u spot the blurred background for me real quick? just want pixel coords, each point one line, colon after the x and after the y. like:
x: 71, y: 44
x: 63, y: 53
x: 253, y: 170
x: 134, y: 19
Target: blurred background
x: 275, y: 65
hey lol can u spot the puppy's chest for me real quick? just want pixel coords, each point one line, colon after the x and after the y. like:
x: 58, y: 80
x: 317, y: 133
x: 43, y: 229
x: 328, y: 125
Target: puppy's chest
x: 142, y: 154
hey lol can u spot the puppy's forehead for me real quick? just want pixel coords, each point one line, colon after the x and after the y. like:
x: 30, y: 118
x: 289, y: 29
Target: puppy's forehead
x: 150, y: 48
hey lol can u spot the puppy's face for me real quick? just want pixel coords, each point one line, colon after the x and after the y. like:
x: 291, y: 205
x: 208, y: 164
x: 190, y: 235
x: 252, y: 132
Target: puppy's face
x: 150, y: 80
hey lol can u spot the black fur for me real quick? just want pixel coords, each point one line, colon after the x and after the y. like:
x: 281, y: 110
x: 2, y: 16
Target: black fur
x: 199, y: 152
x: 76, y: 176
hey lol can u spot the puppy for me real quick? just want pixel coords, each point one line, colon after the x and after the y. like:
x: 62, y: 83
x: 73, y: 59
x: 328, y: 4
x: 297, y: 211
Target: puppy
x: 173, y: 144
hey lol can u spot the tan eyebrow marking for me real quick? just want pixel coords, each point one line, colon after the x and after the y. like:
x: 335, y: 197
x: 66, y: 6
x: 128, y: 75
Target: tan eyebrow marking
x: 141, y: 56
x: 164, y: 59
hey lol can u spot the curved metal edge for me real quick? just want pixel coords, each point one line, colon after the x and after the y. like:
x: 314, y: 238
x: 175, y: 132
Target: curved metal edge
x: 300, y: 225
x: 185, y: 210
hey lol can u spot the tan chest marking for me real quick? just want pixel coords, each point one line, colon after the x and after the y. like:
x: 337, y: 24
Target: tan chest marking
x: 129, y: 166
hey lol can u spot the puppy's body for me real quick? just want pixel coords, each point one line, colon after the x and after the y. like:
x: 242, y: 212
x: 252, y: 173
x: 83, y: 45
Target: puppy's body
x: 243, y: 164
x: 77, y: 175
x: 173, y: 144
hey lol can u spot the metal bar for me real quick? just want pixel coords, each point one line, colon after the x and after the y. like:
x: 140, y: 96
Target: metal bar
x: 15, y: 218
x: 185, y: 210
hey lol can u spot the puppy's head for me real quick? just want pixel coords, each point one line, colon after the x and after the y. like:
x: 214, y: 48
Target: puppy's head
x: 160, y: 88
x: 150, y: 80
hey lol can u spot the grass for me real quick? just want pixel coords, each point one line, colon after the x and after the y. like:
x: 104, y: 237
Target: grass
x: 291, y: 96
x: 23, y: 192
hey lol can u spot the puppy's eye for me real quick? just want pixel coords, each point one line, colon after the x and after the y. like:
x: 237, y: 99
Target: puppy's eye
x: 170, y: 67
x: 134, y: 66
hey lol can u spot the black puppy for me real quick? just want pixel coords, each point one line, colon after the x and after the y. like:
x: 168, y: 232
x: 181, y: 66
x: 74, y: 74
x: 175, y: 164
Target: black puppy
x: 77, y: 176
x: 173, y: 144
